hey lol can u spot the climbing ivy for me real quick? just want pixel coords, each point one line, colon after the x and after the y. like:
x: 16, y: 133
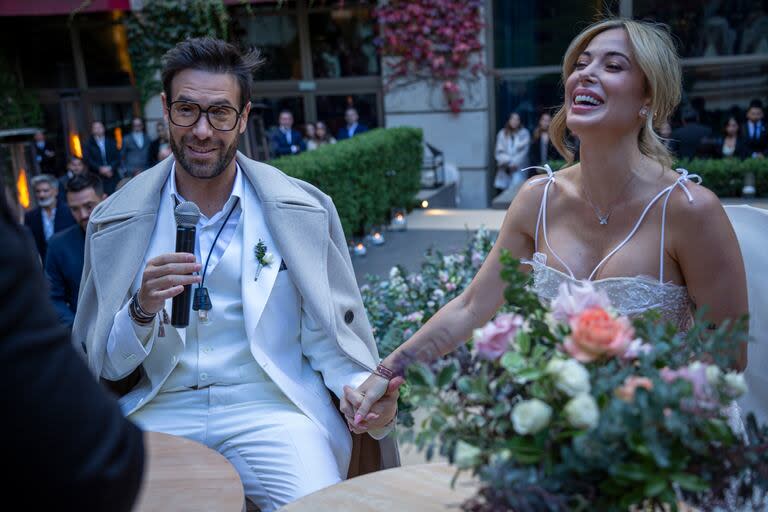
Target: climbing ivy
x: 161, y: 24
x: 19, y: 108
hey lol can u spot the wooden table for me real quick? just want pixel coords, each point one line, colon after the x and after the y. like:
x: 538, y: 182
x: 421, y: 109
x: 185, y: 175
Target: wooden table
x: 180, y: 474
x: 420, y: 488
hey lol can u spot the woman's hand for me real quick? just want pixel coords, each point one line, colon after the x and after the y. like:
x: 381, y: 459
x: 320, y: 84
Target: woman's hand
x: 372, y: 405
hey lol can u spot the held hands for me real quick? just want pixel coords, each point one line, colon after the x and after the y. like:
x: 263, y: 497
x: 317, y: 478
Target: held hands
x: 372, y: 405
x: 165, y: 277
x: 106, y: 171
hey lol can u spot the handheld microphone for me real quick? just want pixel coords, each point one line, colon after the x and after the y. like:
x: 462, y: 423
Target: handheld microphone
x: 187, y: 214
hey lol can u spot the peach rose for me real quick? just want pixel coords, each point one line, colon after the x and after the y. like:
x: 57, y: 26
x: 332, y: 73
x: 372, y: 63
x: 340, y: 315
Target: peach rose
x: 627, y: 390
x: 595, y: 333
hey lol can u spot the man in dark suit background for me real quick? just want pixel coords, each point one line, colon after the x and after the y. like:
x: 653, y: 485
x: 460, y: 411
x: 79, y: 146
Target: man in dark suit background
x: 67, y: 445
x: 64, y: 262
x: 102, y: 157
x: 285, y: 140
x: 135, y: 150
x: 49, y: 217
x: 353, y: 127
x: 45, y: 155
x: 755, y: 134
x: 687, y: 139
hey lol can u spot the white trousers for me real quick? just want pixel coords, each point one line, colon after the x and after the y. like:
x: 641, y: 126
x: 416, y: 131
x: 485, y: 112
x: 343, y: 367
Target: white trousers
x: 280, y: 454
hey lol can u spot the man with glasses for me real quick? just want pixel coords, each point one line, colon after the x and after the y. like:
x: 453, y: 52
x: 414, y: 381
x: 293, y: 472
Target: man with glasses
x: 279, y: 320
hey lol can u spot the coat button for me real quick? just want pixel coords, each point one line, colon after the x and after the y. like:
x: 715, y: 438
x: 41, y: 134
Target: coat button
x: 349, y: 316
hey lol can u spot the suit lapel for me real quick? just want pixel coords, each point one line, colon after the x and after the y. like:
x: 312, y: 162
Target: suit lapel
x: 255, y: 292
x: 299, y: 229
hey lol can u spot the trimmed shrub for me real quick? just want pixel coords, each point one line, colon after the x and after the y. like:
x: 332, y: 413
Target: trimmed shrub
x: 724, y: 177
x: 366, y: 176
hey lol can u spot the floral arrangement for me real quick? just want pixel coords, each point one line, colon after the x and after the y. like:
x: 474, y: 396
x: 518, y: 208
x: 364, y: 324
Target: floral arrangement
x: 572, y: 407
x: 435, y: 40
x: 399, y: 305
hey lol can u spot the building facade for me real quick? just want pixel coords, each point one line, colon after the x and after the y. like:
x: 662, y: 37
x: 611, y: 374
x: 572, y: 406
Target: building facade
x: 321, y: 58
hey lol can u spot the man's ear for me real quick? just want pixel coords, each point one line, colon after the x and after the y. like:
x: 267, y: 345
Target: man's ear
x: 244, y: 117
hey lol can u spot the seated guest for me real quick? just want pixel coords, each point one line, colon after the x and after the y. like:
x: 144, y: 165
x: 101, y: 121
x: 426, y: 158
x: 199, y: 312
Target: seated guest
x: 541, y: 149
x: 511, y: 154
x: 353, y: 127
x: 48, y: 218
x: 66, y: 439
x: 285, y: 140
x: 321, y: 137
x: 64, y: 262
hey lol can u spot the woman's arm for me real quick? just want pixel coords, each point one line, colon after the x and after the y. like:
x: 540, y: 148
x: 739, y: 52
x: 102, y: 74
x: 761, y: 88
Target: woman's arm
x: 454, y: 323
x: 706, y: 248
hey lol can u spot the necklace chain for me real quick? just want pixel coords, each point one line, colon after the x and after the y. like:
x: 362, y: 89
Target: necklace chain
x: 603, y: 218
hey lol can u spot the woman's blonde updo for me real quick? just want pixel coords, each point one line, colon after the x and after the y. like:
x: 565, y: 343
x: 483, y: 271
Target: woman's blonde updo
x: 657, y: 57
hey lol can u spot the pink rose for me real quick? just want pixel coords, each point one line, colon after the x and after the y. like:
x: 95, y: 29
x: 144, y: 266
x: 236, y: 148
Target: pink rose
x: 493, y: 340
x: 573, y: 298
x: 596, y: 334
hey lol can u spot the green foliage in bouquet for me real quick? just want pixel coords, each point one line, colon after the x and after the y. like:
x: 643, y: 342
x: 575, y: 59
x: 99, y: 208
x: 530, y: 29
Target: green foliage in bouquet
x: 572, y: 407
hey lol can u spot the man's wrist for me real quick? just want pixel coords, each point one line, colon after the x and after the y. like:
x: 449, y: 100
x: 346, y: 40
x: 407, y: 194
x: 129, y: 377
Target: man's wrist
x: 137, y: 313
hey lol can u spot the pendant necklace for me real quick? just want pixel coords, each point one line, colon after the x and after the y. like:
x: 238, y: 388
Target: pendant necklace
x: 603, y: 217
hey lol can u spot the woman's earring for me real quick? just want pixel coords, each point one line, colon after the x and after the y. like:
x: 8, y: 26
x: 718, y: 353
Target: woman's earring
x: 644, y: 111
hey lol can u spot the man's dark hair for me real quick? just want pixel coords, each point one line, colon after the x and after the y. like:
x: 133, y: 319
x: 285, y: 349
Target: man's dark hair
x: 690, y: 115
x: 84, y: 181
x: 756, y: 103
x: 285, y: 111
x: 214, y: 56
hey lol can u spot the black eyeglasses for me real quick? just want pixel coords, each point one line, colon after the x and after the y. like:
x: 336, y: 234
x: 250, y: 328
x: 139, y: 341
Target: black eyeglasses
x: 220, y: 117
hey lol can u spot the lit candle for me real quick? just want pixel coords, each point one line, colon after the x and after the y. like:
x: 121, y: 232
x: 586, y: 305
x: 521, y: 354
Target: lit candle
x: 398, y: 222
x: 360, y: 249
x: 377, y: 238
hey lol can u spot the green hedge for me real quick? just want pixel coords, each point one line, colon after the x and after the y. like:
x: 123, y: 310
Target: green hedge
x: 724, y: 177
x: 366, y: 176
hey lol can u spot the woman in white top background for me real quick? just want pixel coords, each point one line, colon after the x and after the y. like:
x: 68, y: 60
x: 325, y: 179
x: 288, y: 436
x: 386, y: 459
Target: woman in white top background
x: 511, y: 154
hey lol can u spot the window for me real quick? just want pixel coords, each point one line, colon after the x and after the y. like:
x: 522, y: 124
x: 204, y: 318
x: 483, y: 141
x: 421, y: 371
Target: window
x: 342, y: 42
x: 714, y: 28
x: 277, y: 37
x: 538, y: 33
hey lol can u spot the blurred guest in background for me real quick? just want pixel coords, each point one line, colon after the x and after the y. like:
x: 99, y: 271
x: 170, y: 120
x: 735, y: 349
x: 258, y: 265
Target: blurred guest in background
x: 286, y: 140
x: 75, y: 167
x: 542, y: 150
x: 688, y: 138
x: 161, y: 143
x: 45, y: 156
x: 353, y: 127
x: 68, y: 442
x: 511, y: 153
x: 64, y: 261
x: 102, y: 157
x: 755, y: 134
x: 322, y: 137
x: 730, y: 144
x: 49, y: 217
x: 135, y: 151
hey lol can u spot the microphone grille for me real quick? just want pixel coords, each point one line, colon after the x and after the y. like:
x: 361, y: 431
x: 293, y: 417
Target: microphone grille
x: 187, y: 214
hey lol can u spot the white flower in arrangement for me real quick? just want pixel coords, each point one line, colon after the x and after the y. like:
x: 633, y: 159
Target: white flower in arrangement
x: 582, y: 412
x: 713, y: 375
x: 736, y: 384
x: 394, y: 272
x: 530, y: 416
x: 268, y: 259
x: 571, y: 377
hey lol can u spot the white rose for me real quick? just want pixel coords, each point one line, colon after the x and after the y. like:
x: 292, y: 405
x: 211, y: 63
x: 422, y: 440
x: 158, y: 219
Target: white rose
x: 713, y: 375
x: 466, y: 455
x: 268, y: 258
x: 582, y: 412
x: 530, y: 416
x: 571, y: 377
x: 737, y: 386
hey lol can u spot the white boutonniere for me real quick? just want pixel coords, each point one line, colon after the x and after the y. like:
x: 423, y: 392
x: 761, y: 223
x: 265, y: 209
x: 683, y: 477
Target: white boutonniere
x: 263, y: 257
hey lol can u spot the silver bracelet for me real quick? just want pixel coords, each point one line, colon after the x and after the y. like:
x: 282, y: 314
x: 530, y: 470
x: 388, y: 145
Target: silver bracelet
x: 137, y: 313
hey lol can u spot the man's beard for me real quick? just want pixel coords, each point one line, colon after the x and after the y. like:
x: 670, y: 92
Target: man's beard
x: 201, y: 171
x: 45, y: 203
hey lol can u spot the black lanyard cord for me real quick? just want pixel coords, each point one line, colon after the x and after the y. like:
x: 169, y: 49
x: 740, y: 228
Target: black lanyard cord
x: 226, y: 219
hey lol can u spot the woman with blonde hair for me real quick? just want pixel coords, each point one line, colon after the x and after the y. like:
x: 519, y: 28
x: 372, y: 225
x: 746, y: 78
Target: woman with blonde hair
x: 621, y: 217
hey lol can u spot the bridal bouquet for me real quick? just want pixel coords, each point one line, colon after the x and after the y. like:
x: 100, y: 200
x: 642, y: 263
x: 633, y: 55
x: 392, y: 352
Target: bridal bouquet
x: 573, y: 407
